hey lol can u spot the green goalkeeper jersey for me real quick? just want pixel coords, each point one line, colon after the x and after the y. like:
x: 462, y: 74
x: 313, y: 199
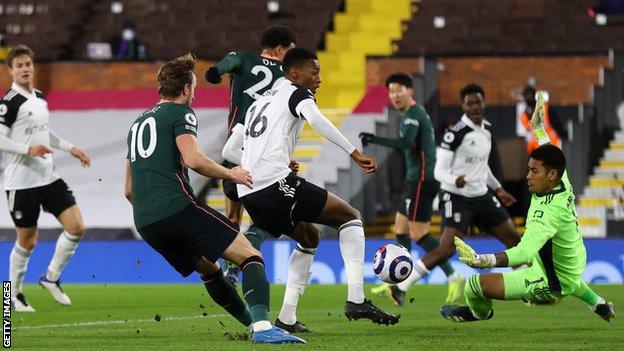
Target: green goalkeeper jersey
x: 250, y: 76
x: 416, y: 139
x: 553, y: 239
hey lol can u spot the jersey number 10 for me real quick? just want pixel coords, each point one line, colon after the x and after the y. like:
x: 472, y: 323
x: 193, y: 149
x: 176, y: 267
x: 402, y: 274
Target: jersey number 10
x: 136, y: 142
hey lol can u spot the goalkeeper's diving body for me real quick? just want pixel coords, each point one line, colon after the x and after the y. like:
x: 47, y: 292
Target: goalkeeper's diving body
x: 552, y: 246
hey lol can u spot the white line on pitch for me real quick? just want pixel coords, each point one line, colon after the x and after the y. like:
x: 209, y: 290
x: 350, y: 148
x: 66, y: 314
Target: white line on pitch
x: 96, y: 323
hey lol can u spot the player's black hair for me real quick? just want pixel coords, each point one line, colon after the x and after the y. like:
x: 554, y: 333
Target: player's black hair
x: 275, y: 36
x: 471, y: 89
x: 400, y: 78
x: 552, y: 157
x: 295, y: 57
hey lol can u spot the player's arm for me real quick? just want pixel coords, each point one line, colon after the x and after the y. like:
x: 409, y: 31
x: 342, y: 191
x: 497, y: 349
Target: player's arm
x: 445, y: 154
x: 540, y: 228
x: 506, y: 198
x: 128, y: 182
x: 233, y: 148
x: 230, y: 63
x: 326, y: 128
x: 403, y: 142
x: 195, y: 159
x: 537, y: 120
x: 59, y: 143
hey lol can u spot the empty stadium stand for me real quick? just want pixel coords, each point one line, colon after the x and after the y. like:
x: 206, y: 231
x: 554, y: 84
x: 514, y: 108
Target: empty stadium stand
x: 505, y: 27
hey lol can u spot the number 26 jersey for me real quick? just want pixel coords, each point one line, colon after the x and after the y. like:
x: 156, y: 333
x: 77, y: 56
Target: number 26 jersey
x: 272, y: 127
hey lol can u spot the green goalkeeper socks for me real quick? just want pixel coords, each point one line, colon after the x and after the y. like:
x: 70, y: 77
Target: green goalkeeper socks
x: 586, y: 294
x: 429, y: 243
x: 479, y: 304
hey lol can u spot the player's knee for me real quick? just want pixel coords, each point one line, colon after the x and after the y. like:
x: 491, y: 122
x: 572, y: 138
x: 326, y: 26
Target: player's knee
x: 310, y: 241
x: 76, y: 229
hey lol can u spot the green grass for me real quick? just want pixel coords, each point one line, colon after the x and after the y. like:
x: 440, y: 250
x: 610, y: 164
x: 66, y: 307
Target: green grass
x: 122, y: 317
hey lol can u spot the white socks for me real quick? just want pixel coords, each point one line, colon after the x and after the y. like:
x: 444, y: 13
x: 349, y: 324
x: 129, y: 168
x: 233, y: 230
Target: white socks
x: 65, y: 247
x: 418, y: 272
x: 261, y: 326
x: 299, y: 271
x: 18, y: 262
x: 351, y: 236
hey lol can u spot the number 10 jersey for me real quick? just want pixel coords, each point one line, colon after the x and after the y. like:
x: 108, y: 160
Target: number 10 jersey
x: 160, y: 185
x: 272, y: 127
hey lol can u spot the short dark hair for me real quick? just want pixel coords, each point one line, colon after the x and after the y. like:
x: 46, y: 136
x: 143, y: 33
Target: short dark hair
x: 400, y: 78
x: 174, y: 75
x: 552, y: 157
x: 19, y: 51
x: 471, y: 88
x: 295, y: 57
x: 528, y: 90
x: 275, y: 36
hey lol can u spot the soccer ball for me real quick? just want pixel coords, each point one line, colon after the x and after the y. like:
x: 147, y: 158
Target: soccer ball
x: 392, y: 263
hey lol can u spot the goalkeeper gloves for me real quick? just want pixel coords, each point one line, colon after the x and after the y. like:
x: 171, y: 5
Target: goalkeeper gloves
x: 468, y: 255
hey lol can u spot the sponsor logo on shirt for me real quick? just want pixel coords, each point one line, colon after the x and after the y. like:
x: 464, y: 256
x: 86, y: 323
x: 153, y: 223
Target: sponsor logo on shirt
x: 36, y: 129
x: 471, y: 160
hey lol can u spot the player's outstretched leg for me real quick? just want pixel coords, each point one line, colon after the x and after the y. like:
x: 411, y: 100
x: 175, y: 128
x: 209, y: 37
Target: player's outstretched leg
x: 343, y: 217
x: 479, y: 307
x: 256, y: 292
x: 223, y: 292
x: 597, y: 304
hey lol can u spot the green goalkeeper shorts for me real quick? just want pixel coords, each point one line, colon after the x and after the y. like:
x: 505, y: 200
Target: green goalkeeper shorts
x: 529, y: 284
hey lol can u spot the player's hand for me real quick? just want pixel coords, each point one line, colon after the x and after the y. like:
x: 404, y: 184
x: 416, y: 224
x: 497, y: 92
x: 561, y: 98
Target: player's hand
x: 506, y: 198
x: 38, y: 151
x: 460, y: 182
x: 468, y: 255
x: 367, y: 162
x: 79, y: 154
x: 537, y: 119
x: 366, y: 138
x: 241, y: 176
x: 294, y: 166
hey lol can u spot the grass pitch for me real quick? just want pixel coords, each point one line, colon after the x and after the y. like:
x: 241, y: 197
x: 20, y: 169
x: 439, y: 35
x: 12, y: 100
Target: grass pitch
x: 183, y: 317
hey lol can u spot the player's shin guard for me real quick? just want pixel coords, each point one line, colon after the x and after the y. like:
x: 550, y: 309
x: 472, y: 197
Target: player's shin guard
x: 66, y: 245
x: 18, y: 262
x: 225, y: 295
x: 256, y: 290
x: 256, y: 236
x: 419, y: 271
x: 351, y: 236
x: 405, y: 241
x: 478, y: 303
x: 299, y: 271
x: 429, y: 243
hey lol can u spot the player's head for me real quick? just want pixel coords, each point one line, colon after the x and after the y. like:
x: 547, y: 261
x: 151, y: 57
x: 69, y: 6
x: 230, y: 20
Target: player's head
x: 473, y: 102
x: 546, y: 167
x: 176, y: 79
x: 400, y: 91
x: 278, y: 39
x: 301, y: 67
x: 21, y: 66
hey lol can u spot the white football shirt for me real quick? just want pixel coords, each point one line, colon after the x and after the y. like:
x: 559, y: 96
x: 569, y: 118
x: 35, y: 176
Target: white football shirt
x: 272, y: 127
x: 24, y: 118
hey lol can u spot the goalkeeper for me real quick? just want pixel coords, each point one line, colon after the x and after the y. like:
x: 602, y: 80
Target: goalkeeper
x: 552, y: 246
